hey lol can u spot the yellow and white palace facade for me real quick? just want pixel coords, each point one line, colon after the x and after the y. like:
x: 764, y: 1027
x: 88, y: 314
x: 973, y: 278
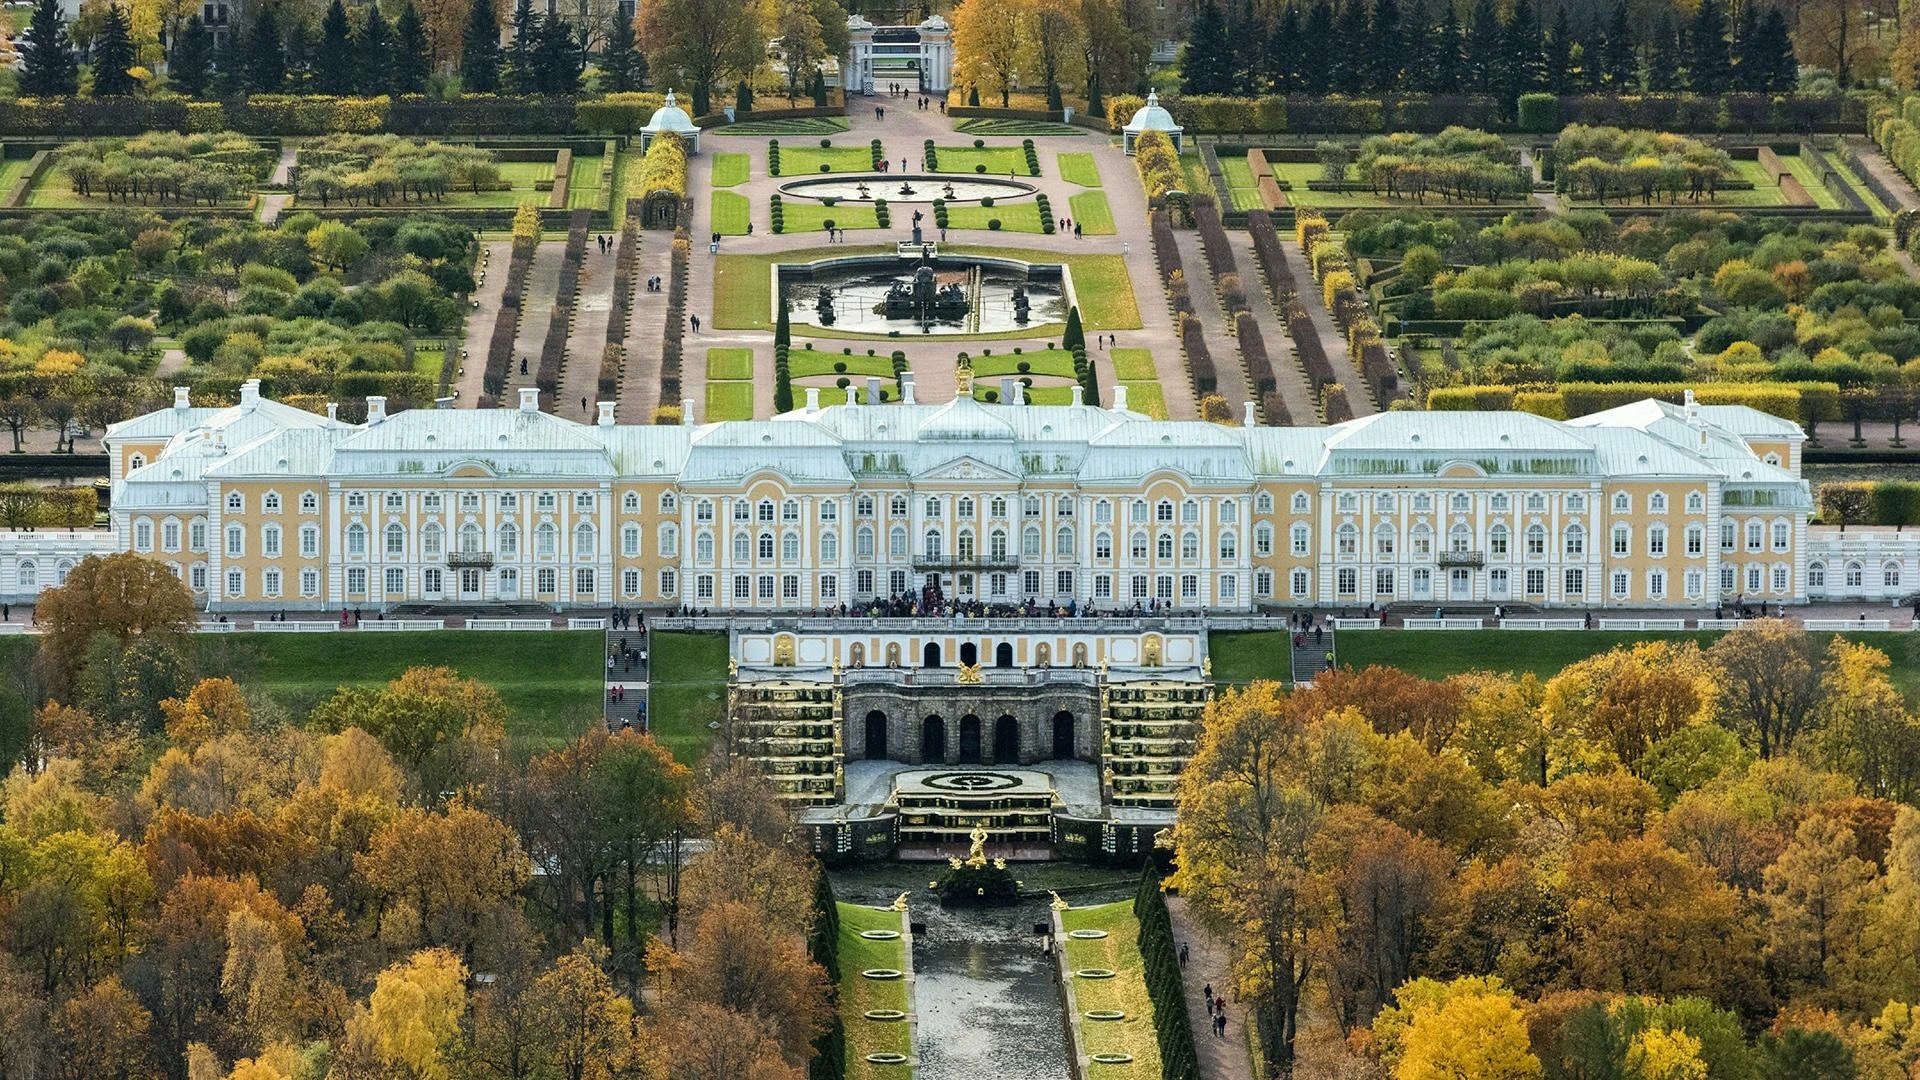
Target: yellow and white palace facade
x: 261, y: 506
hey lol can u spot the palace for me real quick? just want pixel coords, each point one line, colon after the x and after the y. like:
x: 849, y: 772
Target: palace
x: 262, y: 506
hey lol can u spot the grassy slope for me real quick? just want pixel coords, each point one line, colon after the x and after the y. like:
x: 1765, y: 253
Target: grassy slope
x: 688, y: 691
x: 1079, y: 169
x: 1253, y: 654
x: 1091, y: 213
x: 731, y: 169
x: 731, y: 212
x: 550, y: 682
x: 1126, y: 992
x: 857, y: 994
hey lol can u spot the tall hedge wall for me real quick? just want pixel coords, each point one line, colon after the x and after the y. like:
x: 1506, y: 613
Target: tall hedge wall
x: 1178, y: 1060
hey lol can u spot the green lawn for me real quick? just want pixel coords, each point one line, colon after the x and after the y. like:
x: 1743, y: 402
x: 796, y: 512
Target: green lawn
x: 990, y: 126
x: 743, y: 298
x: 1252, y: 654
x: 804, y: 362
x: 803, y: 125
x: 731, y: 169
x: 1079, y: 169
x: 1437, y: 654
x: 804, y: 217
x: 729, y: 401
x: 859, y: 994
x: 729, y: 364
x: 999, y: 160
x: 1023, y: 217
x: 798, y: 159
x: 583, y: 184
x: 1803, y: 171
x: 1039, y: 362
x: 1126, y: 992
x: 1091, y: 213
x: 550, y: 682
x: 731, y: 213
x: 687, y: 692
x: 1132, y: 364
x: 1240, y: 184
x: 428, y: 362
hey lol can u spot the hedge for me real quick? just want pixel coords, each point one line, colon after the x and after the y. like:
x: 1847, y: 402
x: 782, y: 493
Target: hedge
x: 30, y: 506
x: 1336, y: 114
x: 1166, y: 987
x: 823, y: 946
x: 672, y: 327
x: 1789, y: 401
x: 1335, y: 403
x: 1159, y: 165
x: 1199, y: 357
x: 553, y: 350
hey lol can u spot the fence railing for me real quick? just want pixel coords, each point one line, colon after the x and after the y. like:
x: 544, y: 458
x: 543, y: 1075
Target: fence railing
x: 587, y: 624
x: 1448, y: 623
x: 405, y: 624
x: 1543, y: 624
x: 1643, y: 624
x: 1850, y: 624
x: 509, y: 624
x: 314, y: 627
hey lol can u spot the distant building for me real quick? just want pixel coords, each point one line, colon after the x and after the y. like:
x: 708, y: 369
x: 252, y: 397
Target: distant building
x: 917, y: 57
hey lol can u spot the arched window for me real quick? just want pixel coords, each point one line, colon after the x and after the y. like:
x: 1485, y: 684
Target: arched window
x: 668, y: 503
x: 469, y: 539
x: 137, y: 461
x: 356, y: 539
x: 1856, y: 575
x: 765, y: 546
x: 1576, y: 542
x: 863, y: 542
x: 396, y: 540
x: 1163, y: 546
x: 703, y: 547
x: 1263, y: 539
x: 509, y: 541
x: 1816, y: 575
x: 1459, y: 539
x: 1622, y: 503
x: 1497, y: 541
x: 432, y: 541
x: 790, y: 546
x: 270, y: 502
x: 1346, y: 540
x: 934, y: 544
x: 1383, y: 541
x: 1139, y: 546
x: 1696, y: 503
x: 1229, y: 547
x: 1422, y: 541
x: 829, y: 548
x: 897, y: 542
x: 963, y: 545
x: 1103, y: 545
x: 1263, y: 503
x: 630, y: 540
x: 1890, y: 575
x: 742, y: 547
x: 1189, y: 546
x: 1030, y: 542
x: 997, y: 545
x: 1536, y: 541
x: 1300, y: 503
x: 235, y: 502
x: 1657, y: 503
x: 1063, y: 543
x: 546, y: 540
x: 29, y: 574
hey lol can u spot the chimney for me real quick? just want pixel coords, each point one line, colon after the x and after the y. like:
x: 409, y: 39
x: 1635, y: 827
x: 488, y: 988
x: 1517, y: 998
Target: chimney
x: 1119, y: 397
x: 333, y: 411
x: 1019, y: 392
x: 376, y: 409
x: 1006, y: 390
x: 1693, y: 409
x: 813, y: 399
x: 250, y: 393
x: 1247, y: 419
x: 906, y: 389
x: 529, y: 399
x: 606, y: 413
x: 180, y: 397
x: 1079, y: 394
x: 686, y: 412
x: 873, y: 389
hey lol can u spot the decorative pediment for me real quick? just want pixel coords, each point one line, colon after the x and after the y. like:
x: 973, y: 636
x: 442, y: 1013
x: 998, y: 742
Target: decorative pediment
x: 1462, y: 469
x: 468, y: 470
x: 964, y: 469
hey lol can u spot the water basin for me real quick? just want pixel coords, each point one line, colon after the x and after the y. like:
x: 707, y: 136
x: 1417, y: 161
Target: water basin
x: 918, y: 189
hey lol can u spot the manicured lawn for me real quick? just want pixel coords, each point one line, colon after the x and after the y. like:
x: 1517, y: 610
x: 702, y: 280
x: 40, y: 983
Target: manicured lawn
x: 1543, y: 652
x: 990, y: 126
x: 803, y: 125
x: 743, y: 298
x: 797, y: 160
x: 859, y: 994
x: 1251, y: 654
x: 1021, y: 217
x: 1146, y: 398
x: 549, y: 682
x: 731, y: 169
x: 729, y: 364
x: 1091, y: 213
x: 804, y: 362
x: 1126, y: 992
x: 1803, y: 171
x: 1132, y: 364
x: 1039, y: 362
x: 1239, y: 175
x: 583, y: 184
x: 803, y: 217
x: 1357, y: 194
x: 729, y: 401
x: 1079, y: 169
x: 1199, y: 181
x: 999, y: 160
x: 731, y: 213
x: 688, y: 691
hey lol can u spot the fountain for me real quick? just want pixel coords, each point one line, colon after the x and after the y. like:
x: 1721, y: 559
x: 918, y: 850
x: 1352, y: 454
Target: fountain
x: 823, y: 306
x: 907, y: 191
x: 974, y: 880
x: 924, y: 301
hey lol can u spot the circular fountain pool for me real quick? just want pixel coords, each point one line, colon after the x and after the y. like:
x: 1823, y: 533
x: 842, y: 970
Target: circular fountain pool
x: 907, y: 189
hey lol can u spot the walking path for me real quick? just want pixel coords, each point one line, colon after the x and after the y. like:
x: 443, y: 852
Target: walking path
x: 627, y: 657
x: 587, y: 338
x: 640, y: 374
x: 470, y: 372
x: 1293, y: 386
x: 272, y: 205
x: 1207, y: 964
x: 1229, y: 368
x: 1330, y: 337
x: 536, y: 305
x: 1876, y: 163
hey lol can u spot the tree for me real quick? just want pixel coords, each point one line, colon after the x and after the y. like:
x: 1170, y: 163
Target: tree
x: 444, y: 874
x: 333, y: 65
x: 1710, y: 64
x: 1776, y: 45
x: 1244, y: 825
x: 620, y: 65
x: 1484, y: 55
x: 1831, y: 34
x: 1645, y: 919
x: 103, y: 1032
x: 423, y: 710
x: 266, y: 59
x: 48, y: 67
x: 1656, y: 1054
x: 1053, y: 50
x: 1619, y: 66
x: 1386, y: 38
x: 1866, y: 731
x: 557, y: 58
x: 480, y: 49
x: 373, y: 52
x: 800, y: 43
x: 121, y: 597
x: 1479, y: 1035
x: 987, y: 44
x: 709, y: 1042
x: 1617, y: 705
x: 1665, y: 61
x: 413, y: 1019
x: 586, y: 1026
x: 710, y: 46
x: 1386, y: 882
x: 739, y: 962
x: 1818, y: 897
x: 1117, y: 46
x: 113, y: 56
x: 214, y: 708
x: 336, y: 245
x: 1769, y: 683
x: 412, y: 58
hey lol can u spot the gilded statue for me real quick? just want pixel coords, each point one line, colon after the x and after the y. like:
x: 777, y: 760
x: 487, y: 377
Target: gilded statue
x: 1056, y: 903
x: 969, y: 673
x: 900, y: 902
x: 977, y: 850
x: 963, y: 375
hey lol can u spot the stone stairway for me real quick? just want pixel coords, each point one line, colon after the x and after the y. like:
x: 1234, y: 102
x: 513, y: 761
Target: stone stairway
x: 627, y: 660
x: 1310, y: 656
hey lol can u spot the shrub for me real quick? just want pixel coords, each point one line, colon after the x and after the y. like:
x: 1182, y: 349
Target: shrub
x: 993, y: 224
x: 1159, y: 165
x: 825, y: 143
x: 980, y: 168
x: 979, y: 144
x: 1539, y: 113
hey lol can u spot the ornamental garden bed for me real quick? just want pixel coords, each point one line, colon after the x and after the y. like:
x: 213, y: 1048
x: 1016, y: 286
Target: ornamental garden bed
x: 1121, y: 988
x: 860, y: 997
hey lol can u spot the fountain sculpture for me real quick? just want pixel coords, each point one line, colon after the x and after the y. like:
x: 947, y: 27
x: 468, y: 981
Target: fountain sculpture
x: 924, y: 301
x: 824, y: 306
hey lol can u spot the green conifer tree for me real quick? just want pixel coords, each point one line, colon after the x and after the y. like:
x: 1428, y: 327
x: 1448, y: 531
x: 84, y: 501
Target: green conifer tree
x: 1206, y: 65
x: 618, y: 58
x: 411, y: 65
x: 1619, y: 66
x: 520, y: 70
x: 373, y: 52
x: 48, y: 67
x: 266, y: 58
x: 191, y: 64
x: 480, y: 49
x: 1710, y: 65
x: 113, y: 55
x: 333, y: 64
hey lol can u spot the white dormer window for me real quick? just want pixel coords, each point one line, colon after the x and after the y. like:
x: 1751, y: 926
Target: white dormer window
x: 1500, y: 504
x: 469, y: 502
x: 431, y: 502
x: 545, y: 501
x: 235, y: 502
x: 509, y: 502
x: 270, y: 502
x: 1576, y: 504
x: 583, y: 502
x: 630, y: 503
x: 309, y: 503
x: 1263, y: 503
x: 1300, y: 502
x: 1349, y: 504
x: 137, y: 461
x: 1772, y: 459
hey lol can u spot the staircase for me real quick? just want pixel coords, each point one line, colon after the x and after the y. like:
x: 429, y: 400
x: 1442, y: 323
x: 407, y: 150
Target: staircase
x: 627, y: 658
x: 1310, y: 657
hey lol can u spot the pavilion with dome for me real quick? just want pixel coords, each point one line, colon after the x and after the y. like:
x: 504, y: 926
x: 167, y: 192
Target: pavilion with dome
x: 671, y: 119
x: 1151, y: 117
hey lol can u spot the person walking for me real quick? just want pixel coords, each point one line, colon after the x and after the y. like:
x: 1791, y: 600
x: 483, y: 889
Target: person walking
x: 696, y: 323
